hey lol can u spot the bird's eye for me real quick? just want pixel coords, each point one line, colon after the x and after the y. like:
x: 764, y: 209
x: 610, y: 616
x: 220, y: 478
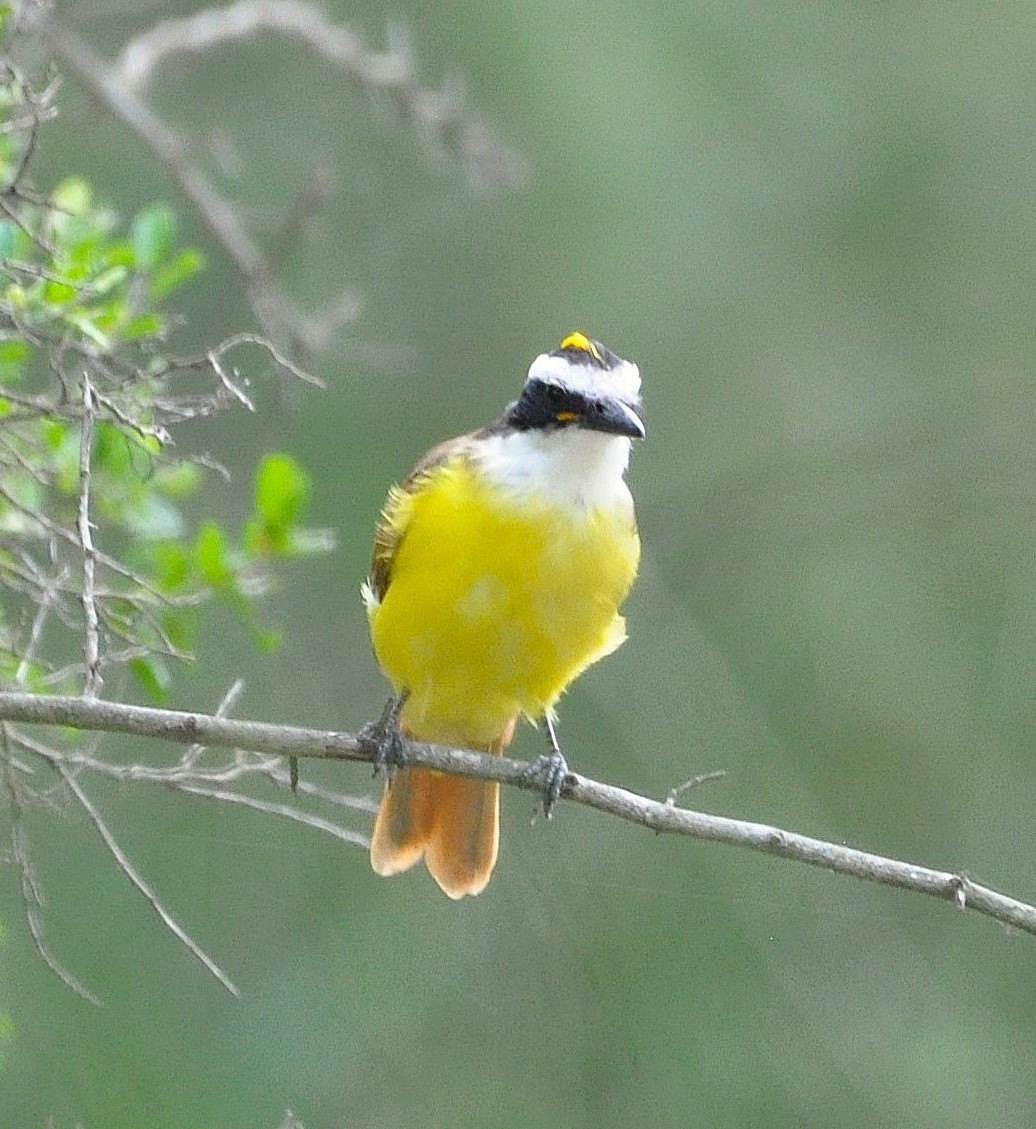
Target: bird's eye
x: 554, y: 395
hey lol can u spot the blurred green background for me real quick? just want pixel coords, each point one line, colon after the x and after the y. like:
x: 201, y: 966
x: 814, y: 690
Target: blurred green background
x: 813, y: 226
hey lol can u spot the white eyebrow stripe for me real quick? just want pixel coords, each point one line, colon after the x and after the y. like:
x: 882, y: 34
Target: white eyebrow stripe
x: 622, y: 382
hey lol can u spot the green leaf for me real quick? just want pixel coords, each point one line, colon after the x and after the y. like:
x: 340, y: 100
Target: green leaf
x: 153, y: 675
x: 153, y: 233
x: 15, y: 349
x: 147, y: 325
x: 59, y: 293
x: 171, y: 563
x: 112, y: 449
x: 149, y: 444
x: 210, y: 556
x: 282, y: 490
x: 122, y: 255
x: 13, y: 355
x: 33, y: 677
x: 181, y: 626
x: 185, y: 266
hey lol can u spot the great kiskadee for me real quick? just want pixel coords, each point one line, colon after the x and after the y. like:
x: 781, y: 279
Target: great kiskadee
x: 499, y: 569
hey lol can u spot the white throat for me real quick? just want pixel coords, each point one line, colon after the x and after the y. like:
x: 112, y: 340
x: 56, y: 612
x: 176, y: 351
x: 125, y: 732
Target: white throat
x: 573, y: 468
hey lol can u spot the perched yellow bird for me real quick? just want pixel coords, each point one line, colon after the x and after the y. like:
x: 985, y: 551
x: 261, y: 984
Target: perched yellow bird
x: 499, y: 569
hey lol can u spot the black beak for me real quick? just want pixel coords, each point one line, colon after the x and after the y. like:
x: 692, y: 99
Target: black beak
x: 614, y: 417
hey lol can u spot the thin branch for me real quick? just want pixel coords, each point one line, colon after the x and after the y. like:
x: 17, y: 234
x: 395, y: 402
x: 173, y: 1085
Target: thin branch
x: 186, y: 771
x: 695, y: 782
x: 227, y: 383
x: 444, y: 115
x: 275, y: 354
x: 660, y: 816
x: 92, y: 626
x: 216, y: 783
x: 41, y: 109
x: 138, y: 880
x: 230, y: 699
x: 285, y: 811
x: 32, y: 893
x: 60, y: 532
x: 271, y: 307
x: 153, y: 431
x: 14, y: 216
x: 47, y: 598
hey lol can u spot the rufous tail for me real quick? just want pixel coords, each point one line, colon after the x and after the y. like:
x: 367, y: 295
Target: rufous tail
x: 452, y: 821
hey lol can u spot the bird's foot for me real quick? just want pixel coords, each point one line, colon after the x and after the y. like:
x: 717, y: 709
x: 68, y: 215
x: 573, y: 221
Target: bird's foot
x: 551, y: 771
x: 384, y: 738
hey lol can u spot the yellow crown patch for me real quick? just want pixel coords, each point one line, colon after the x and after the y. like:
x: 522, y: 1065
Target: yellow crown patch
x: 583, y: 343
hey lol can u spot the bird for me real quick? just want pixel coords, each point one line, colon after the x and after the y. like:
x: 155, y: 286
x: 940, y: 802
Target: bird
x: 499, y: 570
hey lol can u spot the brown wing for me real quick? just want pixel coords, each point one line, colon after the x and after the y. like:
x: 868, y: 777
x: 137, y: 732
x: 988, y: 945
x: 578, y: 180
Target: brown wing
x: 391, y: 530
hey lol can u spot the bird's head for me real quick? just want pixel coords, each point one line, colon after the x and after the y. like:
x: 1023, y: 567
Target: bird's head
x: 580, y: 384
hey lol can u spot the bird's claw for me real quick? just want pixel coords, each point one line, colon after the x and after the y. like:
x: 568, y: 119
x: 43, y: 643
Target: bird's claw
x: 551, y: 771
x: 385, y: 740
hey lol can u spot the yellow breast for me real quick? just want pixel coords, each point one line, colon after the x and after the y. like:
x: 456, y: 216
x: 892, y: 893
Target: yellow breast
x: 496, y: 602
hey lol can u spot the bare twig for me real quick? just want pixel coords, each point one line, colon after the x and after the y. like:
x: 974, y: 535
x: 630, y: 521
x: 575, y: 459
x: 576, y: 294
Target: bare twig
x: 229, y: 700
x: 151, y: 430
x: 60, y: 532
x: 195, y: 728
x: 14, y: 215
x: 285, y: 811
x: 186, y: 771
x: 227, y: 383
x: 695, y: 782
x: 138, y: 880
x: 52, y: 562
x: 442, y: 114
x: 47, y: 598
x: 272, y: 308
x: 277, y: 356
x: 32, y: 893
x: 92, y: 627
x: 216, y: 783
